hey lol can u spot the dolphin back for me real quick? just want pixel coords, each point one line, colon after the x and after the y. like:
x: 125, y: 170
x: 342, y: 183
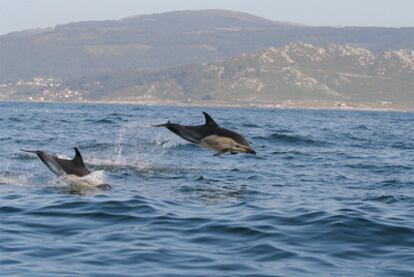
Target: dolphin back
x: 192, y: 134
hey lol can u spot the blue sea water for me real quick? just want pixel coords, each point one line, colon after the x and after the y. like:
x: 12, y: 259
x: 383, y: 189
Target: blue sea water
x: 328, y: 193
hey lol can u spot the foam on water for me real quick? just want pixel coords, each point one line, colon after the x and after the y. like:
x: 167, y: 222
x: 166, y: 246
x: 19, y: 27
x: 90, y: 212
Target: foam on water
x: 7, y: 178
x: 88, y: 182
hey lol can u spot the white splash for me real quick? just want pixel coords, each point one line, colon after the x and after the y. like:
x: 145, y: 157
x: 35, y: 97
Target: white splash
x: 88, y: 182
x: 8, y: 179
x: 140, y: 164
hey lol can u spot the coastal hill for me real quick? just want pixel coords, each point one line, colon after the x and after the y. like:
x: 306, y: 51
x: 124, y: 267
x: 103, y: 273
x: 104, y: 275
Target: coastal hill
x: 297, y: 74
x: 159, y: 41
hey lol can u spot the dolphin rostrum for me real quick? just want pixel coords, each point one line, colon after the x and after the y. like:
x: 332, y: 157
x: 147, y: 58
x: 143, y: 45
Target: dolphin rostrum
x: 211, y: 136
x: 60, y: 166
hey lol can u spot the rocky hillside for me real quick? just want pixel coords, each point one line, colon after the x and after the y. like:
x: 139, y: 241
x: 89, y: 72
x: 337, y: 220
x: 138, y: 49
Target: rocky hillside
x: 157, y: 41
x: 296, y: 74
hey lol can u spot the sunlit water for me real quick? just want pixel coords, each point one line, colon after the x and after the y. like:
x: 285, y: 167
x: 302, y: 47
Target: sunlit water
x: 329, y: 192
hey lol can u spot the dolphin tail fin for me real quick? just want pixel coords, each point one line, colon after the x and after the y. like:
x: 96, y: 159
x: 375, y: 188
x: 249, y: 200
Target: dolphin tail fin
x: 78, y: 158
x: 209, y: 120
x: 48, y: 160
x: 162, y: 125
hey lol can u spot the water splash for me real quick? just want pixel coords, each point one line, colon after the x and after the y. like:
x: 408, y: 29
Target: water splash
x: 92, y: 181
x: 9, y: 178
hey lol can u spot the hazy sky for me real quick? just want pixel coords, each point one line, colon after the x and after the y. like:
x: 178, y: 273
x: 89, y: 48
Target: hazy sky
x: 28, y: 14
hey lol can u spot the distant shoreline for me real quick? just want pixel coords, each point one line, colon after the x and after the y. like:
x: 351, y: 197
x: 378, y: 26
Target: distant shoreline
x: 275, y: 106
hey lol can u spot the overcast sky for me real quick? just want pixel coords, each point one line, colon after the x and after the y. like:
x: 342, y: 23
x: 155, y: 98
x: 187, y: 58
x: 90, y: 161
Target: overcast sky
x: 18, y: 15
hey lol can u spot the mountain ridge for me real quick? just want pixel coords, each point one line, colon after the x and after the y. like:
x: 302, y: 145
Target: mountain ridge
x: 203, y: 12
x: 153, y: 42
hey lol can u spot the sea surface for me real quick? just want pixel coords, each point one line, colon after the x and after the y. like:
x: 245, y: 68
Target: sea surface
x: 329, y: 193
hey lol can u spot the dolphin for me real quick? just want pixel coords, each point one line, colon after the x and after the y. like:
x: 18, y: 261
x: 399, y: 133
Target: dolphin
x: 61, y: 167
x: 211, y: 136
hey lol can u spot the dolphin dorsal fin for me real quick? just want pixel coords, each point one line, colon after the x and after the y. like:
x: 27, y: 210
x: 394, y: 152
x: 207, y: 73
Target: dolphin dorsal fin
x: 78, y: 158
x: 209, y: 120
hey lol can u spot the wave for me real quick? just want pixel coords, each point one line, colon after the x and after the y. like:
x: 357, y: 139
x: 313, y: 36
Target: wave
x: 15, y: 119
x: 131, y: 209
x: 292, y: 153
x: 361, y: 127
x: 389, y: 199
x: 250, y: 125
x: 391, y: 184
x: 291, y: 139
x: 380, y: 168
x: 404, y: 145
x: 100, y: 121
x: 263, y: 252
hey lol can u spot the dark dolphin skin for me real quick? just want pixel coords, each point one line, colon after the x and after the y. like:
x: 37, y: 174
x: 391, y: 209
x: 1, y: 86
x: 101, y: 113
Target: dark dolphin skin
x: 60, y: 167
x: 211, y: 136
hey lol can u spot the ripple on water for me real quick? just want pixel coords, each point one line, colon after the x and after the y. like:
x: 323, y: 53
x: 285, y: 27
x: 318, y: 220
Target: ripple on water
x: 330, y: 192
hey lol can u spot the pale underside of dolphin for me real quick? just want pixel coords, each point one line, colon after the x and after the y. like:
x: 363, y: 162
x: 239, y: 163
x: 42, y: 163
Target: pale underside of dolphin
x: 61, y: 166
x: 211, y: 136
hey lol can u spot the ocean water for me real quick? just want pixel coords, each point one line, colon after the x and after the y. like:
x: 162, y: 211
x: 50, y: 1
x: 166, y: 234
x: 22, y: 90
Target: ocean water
x: 328, y: 193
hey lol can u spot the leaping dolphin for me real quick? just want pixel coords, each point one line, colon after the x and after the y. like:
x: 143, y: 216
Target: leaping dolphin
x: 60, y: 166
x: 211, y: 136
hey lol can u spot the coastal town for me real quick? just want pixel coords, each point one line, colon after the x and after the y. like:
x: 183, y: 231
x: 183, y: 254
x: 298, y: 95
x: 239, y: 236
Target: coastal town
x: 39, y: 89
